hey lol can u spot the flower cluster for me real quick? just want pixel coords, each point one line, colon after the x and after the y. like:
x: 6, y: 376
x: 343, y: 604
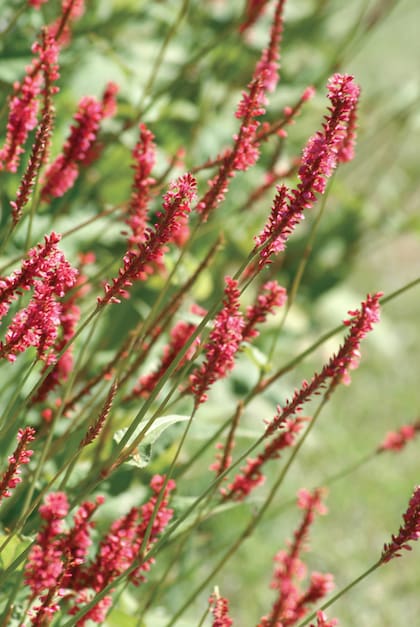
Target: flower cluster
x: 38, y: 155
x: 320, y: 157
x: 397, y: 440
x: 69, y: 317
x: 251, y: 476
x: 409, y: 531
x: 268, y: 65
x: 272, y: 295
x: 144, y: 155
x: 220, y: 610
x: 71, y: 10
x: 20, y: 456
x: 245, y: 151
x: 223, y: 344
x: 137, y: 264
x: 292, y: 604
x: 337, y: 368
x: 58, y: 565
x: 47, y: 271
x: 253, y: 10
x: 24, y: 103
x: 62, y: 173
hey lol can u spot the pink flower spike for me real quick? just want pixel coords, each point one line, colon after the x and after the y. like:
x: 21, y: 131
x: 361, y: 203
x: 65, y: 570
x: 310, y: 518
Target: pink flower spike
x: 20, y: 456
x: 268, y: 65
x: 62, y: 173
x: 250, y: 476
x: 253, y: 10
x: 223, y: 344
x: 397, y: 440
x: 319, y: 159
x: 220, y: 610
x: 24, y: 104
x: 120, y: 547
x: 291, y: 604
x: 137, y: 265
x: 337, y: 368
x: 409, y: 531
x: 109, y: 103
x: 45, y: 566
x: 71, y: 10
x: 144, y: 156
x: 51, y: 276
x: 271, y: 296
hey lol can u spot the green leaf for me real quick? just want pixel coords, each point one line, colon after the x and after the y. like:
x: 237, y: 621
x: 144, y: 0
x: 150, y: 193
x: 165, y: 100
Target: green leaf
x: 117, y: 618
x: 255, y: 355
x: 15, y: 547
x: 142, y: 456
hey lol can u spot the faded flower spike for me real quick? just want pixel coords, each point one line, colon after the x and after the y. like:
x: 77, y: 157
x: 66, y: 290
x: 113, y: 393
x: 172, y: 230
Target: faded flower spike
x: 397, y: 440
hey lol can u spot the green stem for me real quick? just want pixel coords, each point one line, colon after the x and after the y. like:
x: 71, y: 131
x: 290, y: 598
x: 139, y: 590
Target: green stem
x: 341, y: 593
x: 18, y: 389
x: 159, y: 59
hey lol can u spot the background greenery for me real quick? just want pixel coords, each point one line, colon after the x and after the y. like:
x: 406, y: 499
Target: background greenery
x: 368, y: 240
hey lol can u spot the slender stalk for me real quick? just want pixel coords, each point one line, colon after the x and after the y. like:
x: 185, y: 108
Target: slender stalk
x: 256, y: 518
x: 341, y: 593
x: 160, y: 56
x: 292, y: 291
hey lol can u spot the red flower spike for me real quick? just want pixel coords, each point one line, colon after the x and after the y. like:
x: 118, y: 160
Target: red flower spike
x: 223, y: 344
x: 39, y: 150
x: 253, y: 10
x: 62, y: 173
x: 20, y: 456
x: 45, y: 566
x: 118, y: 550
x: 144, y: 155
x: 109, y: 103
x: 37, y: 324
x: 291, y: 604
x: 220, y: 611
x: 337, y: 368
x: 272, y: 295
x: 245, y: 151
x: 409, y: 531
x: 397, y: 440
x: 24, y: 104
x: 250, y: 476
x: 71, y: 10
x: 69, y: 317
x: 320, y: 157
x: 137, y: 265
x: 268, y: 65
x: 56, y: 564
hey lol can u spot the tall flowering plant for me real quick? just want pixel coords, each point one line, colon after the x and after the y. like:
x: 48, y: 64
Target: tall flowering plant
x: 146, y: 315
